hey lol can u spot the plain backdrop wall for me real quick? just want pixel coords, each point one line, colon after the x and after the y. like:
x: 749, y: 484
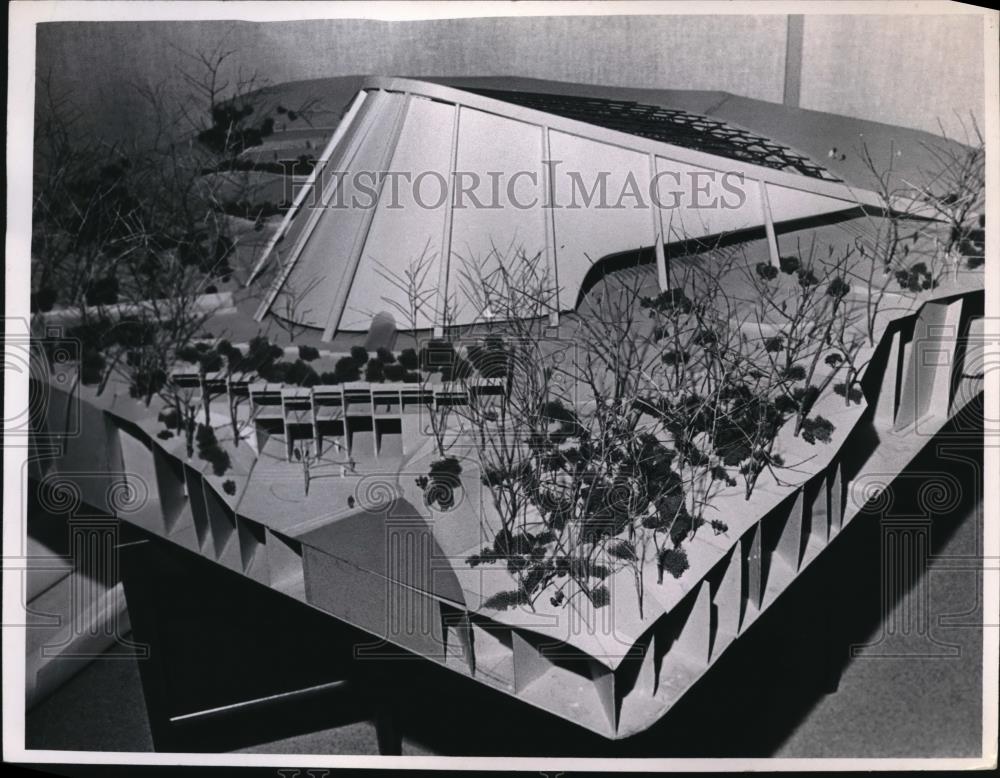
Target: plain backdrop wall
x: 904, y: 70
x: 899, y: 69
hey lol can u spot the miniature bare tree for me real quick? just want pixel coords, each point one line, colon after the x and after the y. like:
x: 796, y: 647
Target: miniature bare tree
x: 128, y: 234
x: 85, y: 193
x: 890, y: 241
x: 304, y: 453
x: 575, y: 448
x: 955, y: 187
x: 417, y: 300
x: 802, y: 312
x: 169, y: 314
x: 510, y: 428
x: 289, y: 309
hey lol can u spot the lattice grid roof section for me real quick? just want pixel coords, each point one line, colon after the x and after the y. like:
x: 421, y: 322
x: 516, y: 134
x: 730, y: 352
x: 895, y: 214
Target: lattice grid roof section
x: 668, y: 125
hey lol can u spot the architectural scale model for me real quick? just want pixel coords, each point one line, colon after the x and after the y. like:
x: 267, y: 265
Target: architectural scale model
x: 567, y: 401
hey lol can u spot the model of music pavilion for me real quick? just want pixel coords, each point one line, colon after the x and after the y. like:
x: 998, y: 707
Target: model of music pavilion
x: 493, y: 511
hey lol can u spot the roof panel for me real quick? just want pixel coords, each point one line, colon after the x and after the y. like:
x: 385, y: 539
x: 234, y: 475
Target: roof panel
x: 668, y: 125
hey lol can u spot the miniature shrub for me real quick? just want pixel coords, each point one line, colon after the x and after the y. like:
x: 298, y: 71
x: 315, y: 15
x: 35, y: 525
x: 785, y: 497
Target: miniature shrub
x: 327, y: 377
x: 758, y: 462
x: 164, y: 434
x: 211, y: 289
x: 374, y: 371
x: 720, y: 473
x: 308, y: 353
x: 807, y: 277
x: 794, y: 373
x: 345, y: 370
x: 408, y: 359
x: 505, y: 600
x: 747, y: 420
x: 205, y: 437
x: 443, y: 481
x: 916, y: 279
x: 838, y: 288
x: 705, y: 337
x: 230, y: 133
x: 767, y: 271
x: 210, y: 451
x: 670, y: 300
x: 211, y: 361
x: 170, y: 418
x: 360, y: 356
x: 675, y: 357
x: 673, y: 561
x: 600, y: 596
x: 817, y: 428
x: 385, y: 356
x: 393, y: 372
x: 297, y: 373
x: 273, y: 372
x: 229, y: 487
x: 684, y: 524
x: 972, y: 243
x: 301, y: 374
x: 622, y: 549
x: 806, y: 397
x: 260, y: 354
x: 786, y: 404
x: 133, y: 333
x: 232, y: 355
x: 789, y: 264
x: 854, y: 395
x: 188, y: 354
x: 554, y: 412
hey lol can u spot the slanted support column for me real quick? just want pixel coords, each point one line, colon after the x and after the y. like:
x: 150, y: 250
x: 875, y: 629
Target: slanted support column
x: 662, y: 277
x: 549, y: 215
x: 661, y: 265
x: 444, y: 265
x: 772, y: 239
